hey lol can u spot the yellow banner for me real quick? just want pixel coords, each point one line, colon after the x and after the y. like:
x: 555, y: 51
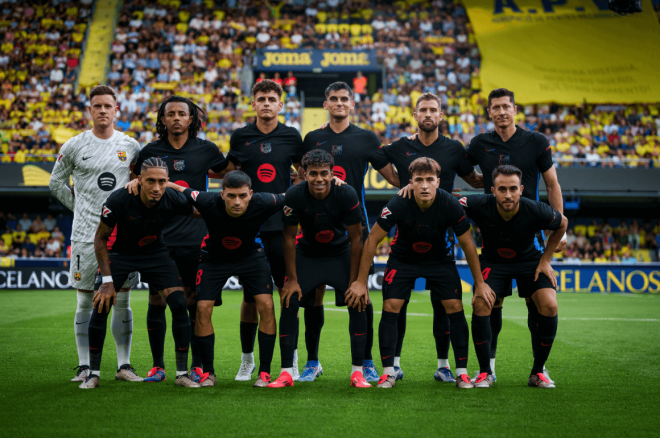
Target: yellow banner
x: 567, y: 51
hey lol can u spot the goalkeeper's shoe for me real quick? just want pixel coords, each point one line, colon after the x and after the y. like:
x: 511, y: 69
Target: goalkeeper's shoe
x: 81, y: 375
x: 128, y: 374
x: 92, y: 381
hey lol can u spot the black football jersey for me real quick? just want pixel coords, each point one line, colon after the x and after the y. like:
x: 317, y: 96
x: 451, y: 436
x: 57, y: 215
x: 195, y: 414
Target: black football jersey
x: 139, y: 228
x: 511, y: 241
x: 267, y: 159
x: 188, y: 167
x: 421, y: 236
x: 323, y: 222
x: 352, y: 149
x: 232, y: 239
x: 528, y: 151
x: 450, y: 155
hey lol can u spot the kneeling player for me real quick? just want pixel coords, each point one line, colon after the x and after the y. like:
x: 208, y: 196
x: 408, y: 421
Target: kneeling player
x: 420, y: 249
x: 326, y: 213
x: 508, y: 226
x: 139, y: 247
x: 234, y: 219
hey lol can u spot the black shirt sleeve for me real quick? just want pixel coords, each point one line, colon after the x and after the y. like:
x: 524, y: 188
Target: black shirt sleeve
x: 457, y: 217
x: 234, y: 154
x: 389, y: 215
x: 463, y: 165
x: 547, y: 217
x: 216, y: 160
x: 110, y: 211
x: 544, y: 159
x: 299, y: 151
x: 471, y: 151
x: 137, y: 168
x: 269, y: 202
x: 202, y: 201
x: 377, y: 158
x: 351, y: 206
x: 292, y: 206
x: 180, y: 203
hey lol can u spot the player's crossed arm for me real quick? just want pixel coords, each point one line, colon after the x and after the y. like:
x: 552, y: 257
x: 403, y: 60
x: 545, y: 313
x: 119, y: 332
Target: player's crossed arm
x: 106, y: 295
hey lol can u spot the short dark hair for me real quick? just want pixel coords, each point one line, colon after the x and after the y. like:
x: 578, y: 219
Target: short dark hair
x: 506, y: 169
x: 428, y: 96
x: 153, y: 162
x: 266, y: 86
x: 501, y: 92
x: 317, y: 157
x: 424, y: 165
x: 338, y: 86
x: 194, y: 127
x: 102, y: 90
x: 236, y: 179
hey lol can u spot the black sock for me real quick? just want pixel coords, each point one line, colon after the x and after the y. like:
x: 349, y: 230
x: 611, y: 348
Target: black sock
x: 495, y: 329
x: 289, y: 331
x: 532, y: 322
x: 460, y: 335
x: 481, y: 337
x: 387, y: 336
x: 370, y: 332
x: 266, y: 347
x: 314, y: 319
x: 196, y: 360
x: 98, y: 326
x: 248, y: 333
x: 401, y: 329
x: 545, y: 336
x: 180, y: 328
x: 441, y: 330
x: 206, y: 346
x: 157, y: 328
x: 357, y: 327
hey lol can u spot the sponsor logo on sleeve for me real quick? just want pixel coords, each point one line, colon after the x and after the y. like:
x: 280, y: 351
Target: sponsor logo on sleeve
x: 386, y: 212
x: 463, y: 201
x: 194, y: 195
x: 288, y: 211
x: 106, y: 211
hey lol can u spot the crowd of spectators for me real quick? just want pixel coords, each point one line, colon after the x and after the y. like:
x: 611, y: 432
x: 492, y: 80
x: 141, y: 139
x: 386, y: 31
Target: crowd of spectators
x: 31, y: 238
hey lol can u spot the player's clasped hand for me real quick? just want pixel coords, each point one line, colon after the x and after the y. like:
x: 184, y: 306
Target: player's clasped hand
x: 356, y: 296
x: 484, y: 292
x: 105, y: 297
x: 290, y: 288
x: 545, y: 268
x: 132, y: 187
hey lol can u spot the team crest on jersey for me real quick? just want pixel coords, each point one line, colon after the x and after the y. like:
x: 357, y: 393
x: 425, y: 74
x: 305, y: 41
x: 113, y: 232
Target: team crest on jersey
x: 266, y: 148
x: 288, y: 210
x: 386, y: 212
x: 337, y: 149
x: 194, y: 195
x: 122, y: 155
x: 179, y: 165
x: 77, y: 276
x: 106, y: 211
x: 463, y: 201
x: 505, y: 159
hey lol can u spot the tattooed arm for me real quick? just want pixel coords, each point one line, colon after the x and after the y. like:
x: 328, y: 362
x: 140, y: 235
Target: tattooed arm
x: 106, y: 294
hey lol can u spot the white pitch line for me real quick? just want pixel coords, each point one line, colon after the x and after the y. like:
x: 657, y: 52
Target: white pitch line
x: 524, y: 317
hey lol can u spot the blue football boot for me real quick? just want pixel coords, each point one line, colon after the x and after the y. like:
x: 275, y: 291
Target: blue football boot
x: 369, y: 370
x: 398, y: 373
x: 444, y: 375
x: 313, y: 369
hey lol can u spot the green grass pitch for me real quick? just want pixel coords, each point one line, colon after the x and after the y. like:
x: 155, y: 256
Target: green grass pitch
x: 605, y: 362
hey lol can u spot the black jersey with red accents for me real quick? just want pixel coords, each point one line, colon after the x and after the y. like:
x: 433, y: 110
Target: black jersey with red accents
x: 188, y: 167
x: 511, y: 241
x: 528, y: 151
x: 267, y: 160
x: 421, y: 236
x: 352, y: 149
x: 233, y: 239
x: 450, y: 155
x: 140, y: 228
x: 323, y: 222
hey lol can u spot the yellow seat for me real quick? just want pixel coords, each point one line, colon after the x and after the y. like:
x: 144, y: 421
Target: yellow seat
x: 355, y: 29
x: 138, y: 14
x: 321, y: 28
x: 344, y: 27
x: 366, y: 28
x: 182, y: 27
x: 184, y: 16
x: 321, y: 16
x: 332, y: 28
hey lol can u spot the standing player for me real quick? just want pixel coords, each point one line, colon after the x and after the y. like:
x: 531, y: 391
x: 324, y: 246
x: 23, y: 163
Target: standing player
x: 452, y: 158
x: 327, y: 253
x: 509, y: 225
x: 530, y: 152
x: 234, y: 218
x: 98, y: 160
x: 188, y: 161
x: 420, y: 250
x: 352, y: 149
x: 139, y: 245
x: 265, y: 150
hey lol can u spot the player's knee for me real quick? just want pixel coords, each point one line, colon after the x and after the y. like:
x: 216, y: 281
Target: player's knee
x: 452, y: 306
x: 480, y: 307
x: 157, y: 300
x: 392, y: 306
x: 548, y: 309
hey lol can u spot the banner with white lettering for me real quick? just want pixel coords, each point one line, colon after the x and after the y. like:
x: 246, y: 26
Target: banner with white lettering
x: 317, y: 60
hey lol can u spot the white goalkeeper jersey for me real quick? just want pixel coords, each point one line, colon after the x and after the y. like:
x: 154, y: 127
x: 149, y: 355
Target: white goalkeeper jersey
x: 98, y: 167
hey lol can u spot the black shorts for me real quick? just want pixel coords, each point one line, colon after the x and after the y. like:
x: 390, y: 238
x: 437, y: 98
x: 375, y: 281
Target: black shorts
x: 253, y: 273
x: 442, y: 280
x: 500, y: 276
x: 331, y: 270
x: 272, y: 242
x: 156, y: 268
x: 187, y: 260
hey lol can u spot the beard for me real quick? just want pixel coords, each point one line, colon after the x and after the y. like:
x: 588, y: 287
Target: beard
x: 509, y: 208
x: 426, y: 128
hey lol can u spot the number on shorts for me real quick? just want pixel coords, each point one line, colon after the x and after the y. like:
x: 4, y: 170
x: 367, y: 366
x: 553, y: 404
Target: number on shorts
x: 485, y: 273
x: 199, y: 277
x: 78, y: 257
x: 390, y: 276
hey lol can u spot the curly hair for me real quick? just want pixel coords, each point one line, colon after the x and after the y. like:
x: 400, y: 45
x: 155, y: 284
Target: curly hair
x: 266, y: 86
x: 317, y: 157
x: 194, y: 110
